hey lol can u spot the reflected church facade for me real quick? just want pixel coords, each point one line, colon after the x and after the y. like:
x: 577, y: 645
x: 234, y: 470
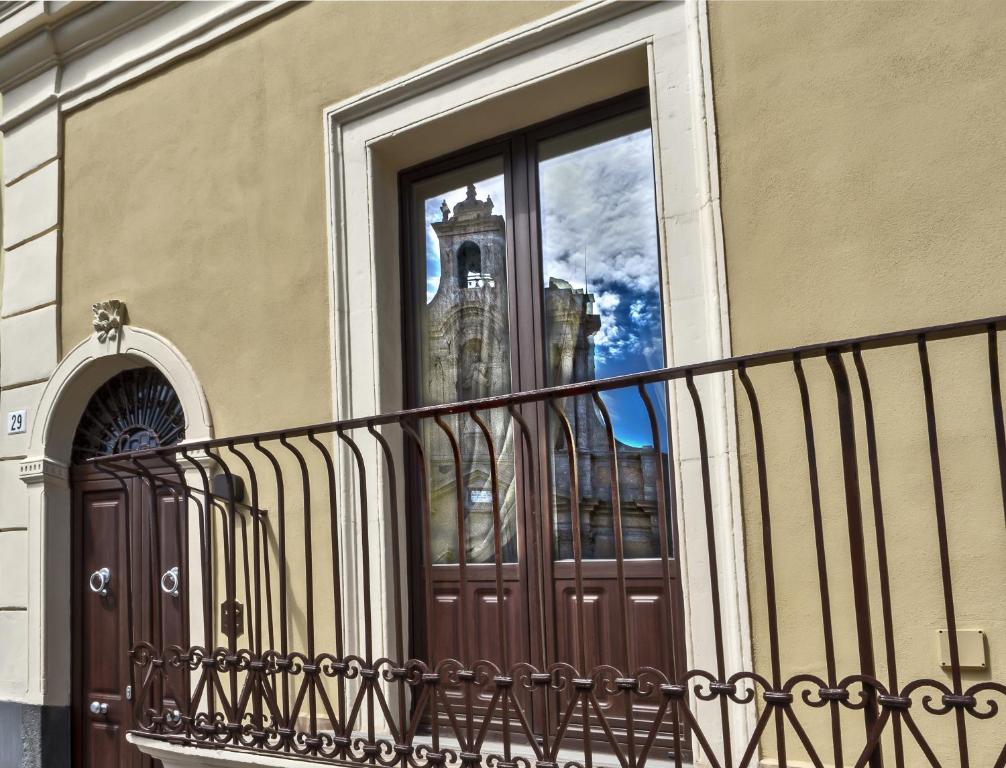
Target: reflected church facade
x: 466, y: 355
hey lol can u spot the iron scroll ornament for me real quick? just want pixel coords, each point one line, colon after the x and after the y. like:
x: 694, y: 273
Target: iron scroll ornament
x: 132, y: 411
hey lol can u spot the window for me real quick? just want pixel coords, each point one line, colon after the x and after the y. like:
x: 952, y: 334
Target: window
x: 532, y: 261
x: 569, y: 207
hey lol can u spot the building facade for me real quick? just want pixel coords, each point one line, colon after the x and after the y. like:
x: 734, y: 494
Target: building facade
x: 539, y: 384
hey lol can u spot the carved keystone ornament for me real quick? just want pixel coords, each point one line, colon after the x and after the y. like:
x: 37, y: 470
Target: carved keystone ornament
x: 108, y: 319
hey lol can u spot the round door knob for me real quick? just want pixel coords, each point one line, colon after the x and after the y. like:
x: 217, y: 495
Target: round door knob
x: 99, y: 581
x: 98, y: 708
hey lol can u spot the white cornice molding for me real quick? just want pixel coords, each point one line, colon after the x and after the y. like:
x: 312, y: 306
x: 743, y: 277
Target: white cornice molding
x: 44, y: 39
x: 18, y: 20
x: 77, y: 48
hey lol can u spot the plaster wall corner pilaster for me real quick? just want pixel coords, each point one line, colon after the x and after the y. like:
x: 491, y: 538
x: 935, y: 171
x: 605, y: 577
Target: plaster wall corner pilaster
x: 29, y: 352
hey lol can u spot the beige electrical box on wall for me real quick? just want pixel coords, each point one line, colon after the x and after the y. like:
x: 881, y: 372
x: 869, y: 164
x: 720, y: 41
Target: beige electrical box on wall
x: 970, y: 648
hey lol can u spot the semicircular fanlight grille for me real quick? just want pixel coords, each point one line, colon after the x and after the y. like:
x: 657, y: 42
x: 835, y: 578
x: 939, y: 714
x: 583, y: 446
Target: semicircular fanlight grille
x: 133, y: 410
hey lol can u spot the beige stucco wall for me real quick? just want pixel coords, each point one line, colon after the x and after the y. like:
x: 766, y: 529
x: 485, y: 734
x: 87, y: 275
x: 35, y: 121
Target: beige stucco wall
x: 198, y: 196
x: 861, y: 164
x: 862, y: 168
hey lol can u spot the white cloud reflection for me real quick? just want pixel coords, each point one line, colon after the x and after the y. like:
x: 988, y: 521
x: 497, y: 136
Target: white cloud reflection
x: 599, y: 233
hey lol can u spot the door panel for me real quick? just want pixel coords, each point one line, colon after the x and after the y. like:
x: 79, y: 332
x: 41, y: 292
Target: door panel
x: 650, y: 632
x: 102, y: 637
x: 460, y: 301
x: 481, y: 627
x: 602, y: 316
x: 169, y: 612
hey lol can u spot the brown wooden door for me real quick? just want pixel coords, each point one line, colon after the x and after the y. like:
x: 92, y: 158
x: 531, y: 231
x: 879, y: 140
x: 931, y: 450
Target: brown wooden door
x: 116, y: 527
x: 530, y: 261
x: 102, y: 632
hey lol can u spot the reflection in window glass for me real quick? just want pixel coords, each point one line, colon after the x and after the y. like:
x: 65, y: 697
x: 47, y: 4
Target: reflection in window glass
x: 464, y: 353
x: 601, y: 270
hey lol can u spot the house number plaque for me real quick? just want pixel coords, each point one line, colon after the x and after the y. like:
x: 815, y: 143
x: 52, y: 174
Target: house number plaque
x: 17, y: 422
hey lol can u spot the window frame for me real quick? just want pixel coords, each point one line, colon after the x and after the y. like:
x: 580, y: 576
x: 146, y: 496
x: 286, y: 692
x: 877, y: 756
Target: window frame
x: 525, y: 290
x: 615, y: 48
x: 518, y: 150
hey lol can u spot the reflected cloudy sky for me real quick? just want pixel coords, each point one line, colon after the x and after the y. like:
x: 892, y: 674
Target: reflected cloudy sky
x: 599, y: 233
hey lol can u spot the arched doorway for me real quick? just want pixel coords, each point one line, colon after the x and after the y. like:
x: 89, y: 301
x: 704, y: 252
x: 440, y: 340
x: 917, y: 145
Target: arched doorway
x: 127, y: 566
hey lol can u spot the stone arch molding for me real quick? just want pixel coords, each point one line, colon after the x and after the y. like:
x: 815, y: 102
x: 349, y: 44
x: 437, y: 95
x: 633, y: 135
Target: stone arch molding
x: 45, y: 473
x: 89, y: 365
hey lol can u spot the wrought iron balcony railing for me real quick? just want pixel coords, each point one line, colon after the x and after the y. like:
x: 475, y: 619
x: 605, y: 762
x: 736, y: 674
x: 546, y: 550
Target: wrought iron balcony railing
x: 513, y: 581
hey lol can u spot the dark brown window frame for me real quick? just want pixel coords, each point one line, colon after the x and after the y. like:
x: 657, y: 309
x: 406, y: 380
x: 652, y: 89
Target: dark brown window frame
x: 518, y: 150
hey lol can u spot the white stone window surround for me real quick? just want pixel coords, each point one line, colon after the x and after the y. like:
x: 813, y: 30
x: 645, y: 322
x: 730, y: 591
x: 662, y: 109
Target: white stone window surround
x: 371, y: 137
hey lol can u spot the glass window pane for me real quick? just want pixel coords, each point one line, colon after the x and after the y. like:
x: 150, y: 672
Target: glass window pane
x: 602, y: 306
x: 463, y: 343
